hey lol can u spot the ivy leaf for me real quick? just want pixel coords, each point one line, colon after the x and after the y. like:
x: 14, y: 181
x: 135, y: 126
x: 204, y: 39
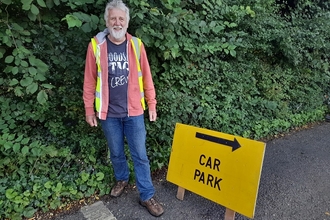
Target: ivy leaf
x: 232, y: 25
x: 212, y: 24
x: 41, y: 3
x: 7, y: 2
x: 48, y: 185
x: 40, y: 77
x: 92, y: 158
x: 15, y: 70
x: 9, y: 59
x: 47, y: 86
x: 13, y: 82
x: 41, y: 66
x: 72, y: 21
x: 16, y: 147
x: 18, y: 91
x: 25, y: 150
x: 95, y: 19
x: 84, y: 176
x: 26, y: 82
x: 27, y: 1
x: 36, y: 187
x: 26, y: 6
x: 42, y: 97
x: 32, y: 88
x: 86, y: 27
x: 24, y: 63
x: 58, y: 187
x: 29, y: 212
x: 82, y: 16
x: 233, y: 53
x: 173, y: 20
x: 51, y: 151
x: 57, y: 2
x: 32, y: 70
x: 10, y: 193
x: 27, y: 193
x: 231, y: 47
x: 100, y: 176
x: 8, y: 145
x: 32, y: 60
x: 34, y: 9
x: 140, y: 15
x: 2, y: 52
x: 175, y: 52
x: 11, y: 137
x: 32, y: 16
x: 225, y: 45
x: 202, y: 24
x: 19, y: 138
x: 219, y: 28
x: 25, y: 141
x: 49, y: 4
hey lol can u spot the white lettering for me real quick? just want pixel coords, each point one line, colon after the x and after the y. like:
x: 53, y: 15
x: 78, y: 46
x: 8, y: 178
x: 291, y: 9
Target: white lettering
x: 118, y: 81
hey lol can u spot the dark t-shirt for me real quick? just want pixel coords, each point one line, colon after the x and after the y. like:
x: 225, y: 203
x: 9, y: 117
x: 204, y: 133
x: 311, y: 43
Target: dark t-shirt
x: 118, y: 79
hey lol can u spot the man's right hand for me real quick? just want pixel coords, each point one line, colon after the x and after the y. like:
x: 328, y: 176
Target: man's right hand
x: 91, y: 120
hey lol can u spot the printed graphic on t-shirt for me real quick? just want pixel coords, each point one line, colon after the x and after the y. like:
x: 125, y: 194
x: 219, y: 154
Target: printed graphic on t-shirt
x: 118, y: 66
x: 118, y: 79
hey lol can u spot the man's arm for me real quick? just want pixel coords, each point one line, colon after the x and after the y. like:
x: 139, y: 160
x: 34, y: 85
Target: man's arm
x: 148, y: 85
x: 90, y: 77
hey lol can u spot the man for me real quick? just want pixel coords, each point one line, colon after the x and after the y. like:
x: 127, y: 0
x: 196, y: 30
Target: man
x: 118, y: 80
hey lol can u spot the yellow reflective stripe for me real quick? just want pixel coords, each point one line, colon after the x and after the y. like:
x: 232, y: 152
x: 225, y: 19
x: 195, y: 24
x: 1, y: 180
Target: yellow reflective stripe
x: 94, y: 45
x: 142, y: 92
x: 98, y: 104
x: 98, y: 93
x: 98, y: 85
x: 97, y: 54
x: 143, y: 103
x: 136, y: 43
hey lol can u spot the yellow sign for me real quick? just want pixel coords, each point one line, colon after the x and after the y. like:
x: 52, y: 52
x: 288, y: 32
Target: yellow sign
x: 220, y: 167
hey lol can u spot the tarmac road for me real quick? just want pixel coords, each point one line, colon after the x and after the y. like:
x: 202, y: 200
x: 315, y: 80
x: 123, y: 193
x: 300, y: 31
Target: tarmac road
x: 294, y: 185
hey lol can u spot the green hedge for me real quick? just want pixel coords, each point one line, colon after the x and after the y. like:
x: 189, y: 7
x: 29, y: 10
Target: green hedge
x: 248, y: 68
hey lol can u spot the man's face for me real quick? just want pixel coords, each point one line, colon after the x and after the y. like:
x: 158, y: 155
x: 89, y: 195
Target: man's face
x: 117, y: 24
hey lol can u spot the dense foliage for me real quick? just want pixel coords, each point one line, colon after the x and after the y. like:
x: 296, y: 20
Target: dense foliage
x: 246, y: 67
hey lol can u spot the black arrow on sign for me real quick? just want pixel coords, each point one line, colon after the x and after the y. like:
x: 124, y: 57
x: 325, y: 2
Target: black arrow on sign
x: 233, y: 144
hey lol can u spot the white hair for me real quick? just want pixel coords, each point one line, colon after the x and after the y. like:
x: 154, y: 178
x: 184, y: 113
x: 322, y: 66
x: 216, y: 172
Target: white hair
x: 115, y: 4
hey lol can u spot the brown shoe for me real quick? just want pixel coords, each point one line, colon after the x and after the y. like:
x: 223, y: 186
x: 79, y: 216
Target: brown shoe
x: 118, y: 188
x: 153, y: 207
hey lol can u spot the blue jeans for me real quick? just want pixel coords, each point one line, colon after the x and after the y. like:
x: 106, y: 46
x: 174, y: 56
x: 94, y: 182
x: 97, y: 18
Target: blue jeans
x: 133, y: 128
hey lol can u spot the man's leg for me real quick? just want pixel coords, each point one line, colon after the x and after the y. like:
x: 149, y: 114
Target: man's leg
x: 135, y: 132
x: 113, y: 131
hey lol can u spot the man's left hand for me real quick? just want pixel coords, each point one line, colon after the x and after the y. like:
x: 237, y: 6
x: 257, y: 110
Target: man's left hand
x: 152, y: 115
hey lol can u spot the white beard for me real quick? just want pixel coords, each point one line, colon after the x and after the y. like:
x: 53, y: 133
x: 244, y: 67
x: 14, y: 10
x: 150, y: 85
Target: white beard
x: 118, y: 35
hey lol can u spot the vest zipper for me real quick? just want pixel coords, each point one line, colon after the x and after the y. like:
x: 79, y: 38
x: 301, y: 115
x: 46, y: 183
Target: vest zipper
x: 127, y: 76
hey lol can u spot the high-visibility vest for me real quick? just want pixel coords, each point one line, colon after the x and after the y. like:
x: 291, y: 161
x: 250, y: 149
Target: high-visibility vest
x: 136, y: 43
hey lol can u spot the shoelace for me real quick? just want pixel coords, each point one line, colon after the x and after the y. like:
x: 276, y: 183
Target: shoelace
x: 153, y: 202
x: 119, y: 185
